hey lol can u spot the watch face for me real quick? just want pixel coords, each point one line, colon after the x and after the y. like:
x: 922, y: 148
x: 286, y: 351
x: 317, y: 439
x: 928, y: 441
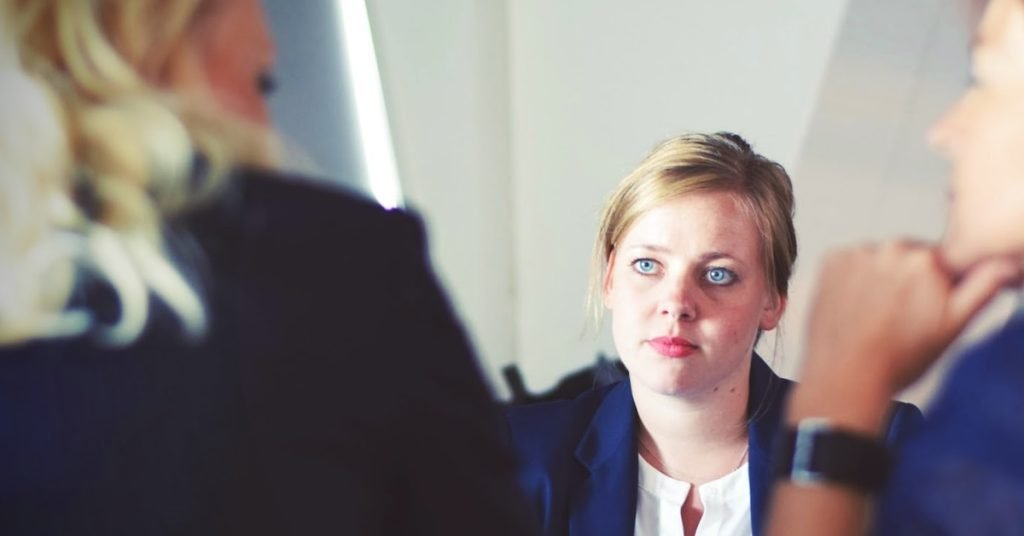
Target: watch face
x: 804, y: 470
x: 818, y: 453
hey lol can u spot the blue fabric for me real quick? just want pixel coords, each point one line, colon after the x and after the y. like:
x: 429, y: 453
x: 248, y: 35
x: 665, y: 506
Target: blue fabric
x: 335, y: 393
x: 963, y: 473
x: 578, y: 458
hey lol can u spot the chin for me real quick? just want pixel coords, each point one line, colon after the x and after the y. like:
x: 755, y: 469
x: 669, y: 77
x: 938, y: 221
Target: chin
x: 960, y: 253
x: 666, y: 386
x: 957, y: 257
x: 966, y: 241
x: 983, y: 227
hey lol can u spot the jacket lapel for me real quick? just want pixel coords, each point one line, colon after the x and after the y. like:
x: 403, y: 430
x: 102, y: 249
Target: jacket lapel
x: 604, y: 499
x: 765, y: 405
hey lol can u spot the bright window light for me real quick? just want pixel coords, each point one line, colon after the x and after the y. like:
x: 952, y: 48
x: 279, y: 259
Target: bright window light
x: 371, y: 114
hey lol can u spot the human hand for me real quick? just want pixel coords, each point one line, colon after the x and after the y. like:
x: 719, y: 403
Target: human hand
x: 882, y: 314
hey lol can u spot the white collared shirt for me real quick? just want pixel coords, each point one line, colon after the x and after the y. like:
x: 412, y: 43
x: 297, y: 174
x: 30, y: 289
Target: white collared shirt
x: 659, y: 504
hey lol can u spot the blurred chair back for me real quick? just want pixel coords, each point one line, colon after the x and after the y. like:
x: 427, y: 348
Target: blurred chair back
x: 604, y: 371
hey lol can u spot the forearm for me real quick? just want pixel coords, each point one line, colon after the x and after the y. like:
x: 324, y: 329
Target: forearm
x: 856, y: 402
x: 881, y: 316
x: 804, y: 511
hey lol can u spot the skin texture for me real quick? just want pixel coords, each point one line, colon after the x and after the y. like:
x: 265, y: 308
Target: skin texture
x: 691, y: 268
x: 659, y: 283
x: 230, y: 51
x: 884, y: 313
x: 982, y: 135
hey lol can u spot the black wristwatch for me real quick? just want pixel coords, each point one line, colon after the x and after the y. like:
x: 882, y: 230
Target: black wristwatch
x: 818, y: 452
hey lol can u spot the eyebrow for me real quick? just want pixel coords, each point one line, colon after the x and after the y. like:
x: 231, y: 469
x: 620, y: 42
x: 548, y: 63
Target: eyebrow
x: 650, y: 247
x: 706, y: 257
x: 715, y: 255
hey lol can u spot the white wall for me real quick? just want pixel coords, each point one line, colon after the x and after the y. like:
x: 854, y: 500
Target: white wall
x: 511, y: 127
x: 595, y: 84
x: 312, y: 103
x: 514, y: 120
x: 445, y: 80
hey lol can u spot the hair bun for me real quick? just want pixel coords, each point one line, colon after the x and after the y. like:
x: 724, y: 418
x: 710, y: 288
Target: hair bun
x: 736, y: 139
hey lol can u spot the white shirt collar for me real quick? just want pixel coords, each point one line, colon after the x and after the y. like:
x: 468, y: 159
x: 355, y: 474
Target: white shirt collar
x: 660, y: 501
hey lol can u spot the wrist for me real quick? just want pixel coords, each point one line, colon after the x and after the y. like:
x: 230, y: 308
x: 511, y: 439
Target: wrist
x: 817, y: 452
x: 858, y: 406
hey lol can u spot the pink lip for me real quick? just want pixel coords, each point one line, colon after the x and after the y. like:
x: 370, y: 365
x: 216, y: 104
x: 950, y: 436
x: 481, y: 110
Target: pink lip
x: 673, y: 346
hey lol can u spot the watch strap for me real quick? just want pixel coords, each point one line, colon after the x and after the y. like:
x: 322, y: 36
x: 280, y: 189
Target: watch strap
x: 818, y: 452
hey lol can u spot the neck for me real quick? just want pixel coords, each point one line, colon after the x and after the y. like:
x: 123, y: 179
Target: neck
x: 695, y: 438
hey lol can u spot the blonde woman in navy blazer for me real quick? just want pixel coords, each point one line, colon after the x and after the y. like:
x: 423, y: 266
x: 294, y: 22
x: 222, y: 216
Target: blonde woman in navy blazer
x: 693, y: 259
x: 192, y: 343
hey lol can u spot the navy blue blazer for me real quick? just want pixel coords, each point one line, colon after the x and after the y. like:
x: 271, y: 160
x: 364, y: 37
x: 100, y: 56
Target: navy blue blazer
x: 578, y: 458
x: 335, y: 392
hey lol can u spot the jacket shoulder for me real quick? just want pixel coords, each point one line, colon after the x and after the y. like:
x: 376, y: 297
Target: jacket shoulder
x: 545, y: 435
x: 292, y: 207
x: 546, y: 425
x: 334, y: 246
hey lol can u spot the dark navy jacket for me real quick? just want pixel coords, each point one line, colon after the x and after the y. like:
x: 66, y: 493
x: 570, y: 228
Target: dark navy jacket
x: 962, y: 473
x: 579, y: 457
x: 335, y: 393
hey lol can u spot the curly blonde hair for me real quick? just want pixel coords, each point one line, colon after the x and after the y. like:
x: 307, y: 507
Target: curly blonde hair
x: 97, y: 153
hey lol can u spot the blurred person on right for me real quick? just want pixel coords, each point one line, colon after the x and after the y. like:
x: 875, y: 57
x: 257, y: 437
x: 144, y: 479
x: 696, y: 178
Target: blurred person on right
x: 884, y: 313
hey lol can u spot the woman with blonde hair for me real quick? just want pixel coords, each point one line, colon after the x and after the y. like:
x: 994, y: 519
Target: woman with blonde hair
x: 191, y: 343
x: 692, y: 258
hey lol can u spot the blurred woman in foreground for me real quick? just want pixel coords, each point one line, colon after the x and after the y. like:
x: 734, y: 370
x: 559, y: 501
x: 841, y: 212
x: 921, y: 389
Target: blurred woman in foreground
x: 883, y: 315
x: 191, y: 343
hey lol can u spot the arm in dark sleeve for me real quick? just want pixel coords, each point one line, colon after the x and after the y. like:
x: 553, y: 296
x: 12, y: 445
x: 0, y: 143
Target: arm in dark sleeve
x: 460, y: 474
x: 365, y: 404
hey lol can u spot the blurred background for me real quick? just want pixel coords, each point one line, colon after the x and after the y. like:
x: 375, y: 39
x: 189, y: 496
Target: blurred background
x: 506, y: 123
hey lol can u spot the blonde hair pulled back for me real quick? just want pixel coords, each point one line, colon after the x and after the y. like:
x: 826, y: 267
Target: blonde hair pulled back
x: 691, y: 163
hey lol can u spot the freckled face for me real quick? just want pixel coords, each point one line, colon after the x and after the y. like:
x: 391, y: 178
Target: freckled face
x: 687, y: 292
x: 983, y: 137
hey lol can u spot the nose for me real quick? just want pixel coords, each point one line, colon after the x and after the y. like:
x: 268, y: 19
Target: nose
x: 679, y: 301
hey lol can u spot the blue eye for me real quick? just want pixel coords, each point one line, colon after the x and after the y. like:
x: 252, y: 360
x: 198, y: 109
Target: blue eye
x: 720, y: 276
x: 645, y: 266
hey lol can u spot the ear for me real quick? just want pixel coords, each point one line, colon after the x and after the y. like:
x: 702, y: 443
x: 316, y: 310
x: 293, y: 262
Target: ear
x: 772, y: 313
x: 606, y: 281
